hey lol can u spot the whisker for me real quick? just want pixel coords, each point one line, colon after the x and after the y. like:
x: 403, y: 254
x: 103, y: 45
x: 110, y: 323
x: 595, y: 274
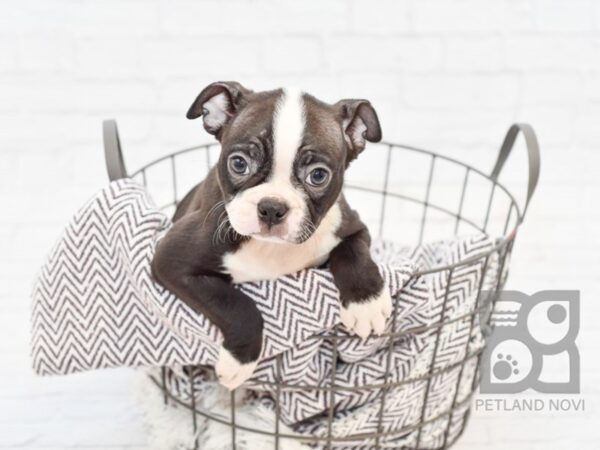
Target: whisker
x: 234, y: 234
x: 307, y: 229
x: 213, y: 209
x: 224, y: 230
x: 220, y: 227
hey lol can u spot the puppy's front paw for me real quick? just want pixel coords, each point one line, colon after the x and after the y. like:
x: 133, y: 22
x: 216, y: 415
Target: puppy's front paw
x: 368, y: 315
x: 232, y: 373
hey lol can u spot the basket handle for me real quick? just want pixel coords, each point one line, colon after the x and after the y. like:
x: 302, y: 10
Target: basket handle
x: 533, y: 155
x: 115, y: 166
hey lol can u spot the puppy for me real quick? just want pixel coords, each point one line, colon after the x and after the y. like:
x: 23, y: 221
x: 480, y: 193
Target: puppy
x: 271, y: 206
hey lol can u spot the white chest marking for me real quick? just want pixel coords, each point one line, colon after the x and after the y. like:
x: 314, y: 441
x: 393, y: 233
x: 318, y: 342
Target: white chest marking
x: 263, y: 260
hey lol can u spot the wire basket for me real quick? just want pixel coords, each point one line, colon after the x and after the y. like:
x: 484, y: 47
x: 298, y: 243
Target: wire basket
x: 446, y: 198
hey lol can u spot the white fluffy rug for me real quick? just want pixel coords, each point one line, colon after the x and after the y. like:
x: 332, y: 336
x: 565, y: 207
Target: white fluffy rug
x: 170, y: 426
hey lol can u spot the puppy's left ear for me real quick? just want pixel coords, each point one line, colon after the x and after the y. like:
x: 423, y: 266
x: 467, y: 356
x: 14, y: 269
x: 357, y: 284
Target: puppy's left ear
x: 217, y: 104
x: 359, y: 123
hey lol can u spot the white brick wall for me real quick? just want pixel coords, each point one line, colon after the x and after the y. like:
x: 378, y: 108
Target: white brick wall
x: 450, y: 75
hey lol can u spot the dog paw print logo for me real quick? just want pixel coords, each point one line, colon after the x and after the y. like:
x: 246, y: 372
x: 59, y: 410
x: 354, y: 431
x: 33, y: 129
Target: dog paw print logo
x: 505, y: 367
x: 532, y: 345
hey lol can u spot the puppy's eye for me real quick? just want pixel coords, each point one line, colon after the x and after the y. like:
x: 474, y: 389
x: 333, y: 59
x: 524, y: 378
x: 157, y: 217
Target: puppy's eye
x: 238, y: 165
x: 318, y: 177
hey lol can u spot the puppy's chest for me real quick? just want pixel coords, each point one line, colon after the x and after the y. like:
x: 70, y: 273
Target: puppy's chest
x: 261, y: 260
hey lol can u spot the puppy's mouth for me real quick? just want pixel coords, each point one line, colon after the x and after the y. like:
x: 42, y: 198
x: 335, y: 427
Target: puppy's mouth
x: 268, y: 221
x: 279, y: 233
x: 271, y: 238
x: 274, y: 233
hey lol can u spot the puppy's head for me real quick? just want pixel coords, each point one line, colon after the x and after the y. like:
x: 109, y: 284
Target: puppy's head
x: 283, y: 155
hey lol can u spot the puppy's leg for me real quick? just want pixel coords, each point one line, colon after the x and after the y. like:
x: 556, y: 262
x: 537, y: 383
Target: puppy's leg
x: 366, y: 301
x: 180, y: 264
x: 236, y: 315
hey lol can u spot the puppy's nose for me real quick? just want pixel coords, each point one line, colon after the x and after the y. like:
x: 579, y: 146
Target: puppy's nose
x: 271, y: 211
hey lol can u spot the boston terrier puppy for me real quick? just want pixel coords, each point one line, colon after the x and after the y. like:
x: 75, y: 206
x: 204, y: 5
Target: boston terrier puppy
x: 273, y: 205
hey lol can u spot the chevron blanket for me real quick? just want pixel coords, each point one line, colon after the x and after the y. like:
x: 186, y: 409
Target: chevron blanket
x: 95, y: 305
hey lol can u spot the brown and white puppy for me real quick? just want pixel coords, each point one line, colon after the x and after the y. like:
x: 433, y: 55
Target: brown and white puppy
x: 272, y: 205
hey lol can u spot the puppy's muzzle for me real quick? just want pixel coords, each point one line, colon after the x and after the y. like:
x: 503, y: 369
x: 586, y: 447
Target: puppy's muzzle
x: 271, y: 211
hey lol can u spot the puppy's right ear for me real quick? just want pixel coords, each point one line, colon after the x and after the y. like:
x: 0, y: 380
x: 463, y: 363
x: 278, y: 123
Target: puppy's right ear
x: 217, y: 104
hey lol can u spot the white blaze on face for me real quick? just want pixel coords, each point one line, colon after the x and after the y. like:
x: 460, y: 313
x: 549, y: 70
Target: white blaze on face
x: 288, y: 131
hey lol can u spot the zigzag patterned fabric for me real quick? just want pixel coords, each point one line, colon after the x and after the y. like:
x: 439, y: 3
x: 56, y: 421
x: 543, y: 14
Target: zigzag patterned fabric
x: 95, y: 305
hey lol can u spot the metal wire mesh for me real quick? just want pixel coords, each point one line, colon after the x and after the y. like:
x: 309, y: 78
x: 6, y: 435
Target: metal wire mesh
x: 389, y: 195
